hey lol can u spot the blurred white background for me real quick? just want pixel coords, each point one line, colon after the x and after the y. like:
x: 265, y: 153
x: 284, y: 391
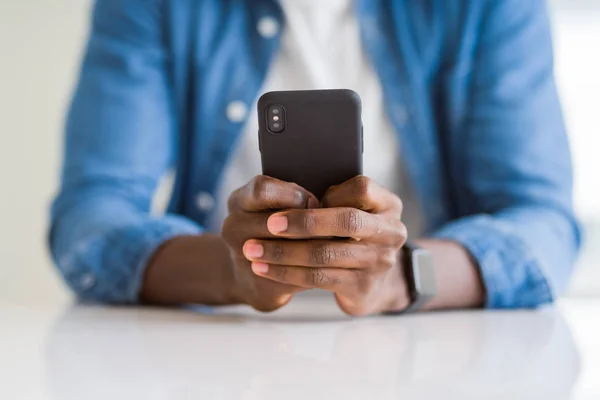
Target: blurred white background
x: 40, y: 45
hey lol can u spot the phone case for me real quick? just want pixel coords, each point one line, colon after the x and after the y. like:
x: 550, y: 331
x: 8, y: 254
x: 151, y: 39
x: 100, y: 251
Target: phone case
x: 321, y: 141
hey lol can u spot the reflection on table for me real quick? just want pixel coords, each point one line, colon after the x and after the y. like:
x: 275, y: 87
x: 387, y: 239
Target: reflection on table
x: 309, y: 351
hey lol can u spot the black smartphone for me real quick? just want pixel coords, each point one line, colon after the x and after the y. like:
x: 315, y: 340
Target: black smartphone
x: 311, y: 137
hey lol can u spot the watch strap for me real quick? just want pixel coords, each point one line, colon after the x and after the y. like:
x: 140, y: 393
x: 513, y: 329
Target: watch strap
x: 417, y: 264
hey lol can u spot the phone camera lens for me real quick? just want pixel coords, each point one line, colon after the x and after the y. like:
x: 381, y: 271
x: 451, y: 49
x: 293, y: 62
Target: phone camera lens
x: 276, y: 118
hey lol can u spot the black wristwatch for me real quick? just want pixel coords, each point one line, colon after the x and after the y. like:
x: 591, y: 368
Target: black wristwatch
x: 420, y: 277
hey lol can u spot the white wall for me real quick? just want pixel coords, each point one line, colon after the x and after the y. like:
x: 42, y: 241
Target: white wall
x: 577, y: 43
x: 40, y: 41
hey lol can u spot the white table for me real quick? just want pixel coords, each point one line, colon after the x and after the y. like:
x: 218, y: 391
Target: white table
x: 309, y: 350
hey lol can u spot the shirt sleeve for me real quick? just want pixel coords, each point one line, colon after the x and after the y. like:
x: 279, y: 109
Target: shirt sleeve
x: 120, y: 140
x: 511, y: 164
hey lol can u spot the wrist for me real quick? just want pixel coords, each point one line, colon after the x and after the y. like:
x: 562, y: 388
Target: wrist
x: 457, y: 274
x: 189, y: 270
x: 398, y: 287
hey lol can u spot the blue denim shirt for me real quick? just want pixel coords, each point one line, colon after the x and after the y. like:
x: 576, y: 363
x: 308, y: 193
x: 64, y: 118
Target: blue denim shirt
x: 468, y: 86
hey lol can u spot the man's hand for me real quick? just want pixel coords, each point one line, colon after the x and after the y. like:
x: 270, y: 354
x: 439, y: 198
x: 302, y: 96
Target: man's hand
x: 249, y: 209
x: 351, y: 246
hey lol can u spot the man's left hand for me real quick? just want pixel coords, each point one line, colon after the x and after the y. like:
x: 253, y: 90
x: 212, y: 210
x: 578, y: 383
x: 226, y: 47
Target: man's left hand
x: 351, y: 247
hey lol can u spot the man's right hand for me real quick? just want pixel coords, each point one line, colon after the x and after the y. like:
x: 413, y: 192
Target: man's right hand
x: 249, y: 208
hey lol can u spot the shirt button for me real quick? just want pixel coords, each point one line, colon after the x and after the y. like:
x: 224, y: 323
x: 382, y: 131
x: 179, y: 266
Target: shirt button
x: 236, y: 111
x: 205, y: 202
x: 87, y: 281
x: 268, y: 27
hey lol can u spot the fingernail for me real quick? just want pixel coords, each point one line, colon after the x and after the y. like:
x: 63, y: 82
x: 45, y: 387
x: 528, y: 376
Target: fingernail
x: 313, y: 203
x: 260, y: 268
x: 277, y: 224
x: 253, y: 250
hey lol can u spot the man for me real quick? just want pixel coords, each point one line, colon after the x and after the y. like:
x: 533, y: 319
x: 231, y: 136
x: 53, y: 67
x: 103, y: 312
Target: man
x: 463, y: 135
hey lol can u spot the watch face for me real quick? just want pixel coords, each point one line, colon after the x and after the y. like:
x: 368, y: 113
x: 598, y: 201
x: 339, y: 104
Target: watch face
x: 424, y: 273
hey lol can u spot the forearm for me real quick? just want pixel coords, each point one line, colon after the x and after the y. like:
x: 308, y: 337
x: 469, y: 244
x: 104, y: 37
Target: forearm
x: 101, y: 243
x: 459, y: 284
x: 190, y: 270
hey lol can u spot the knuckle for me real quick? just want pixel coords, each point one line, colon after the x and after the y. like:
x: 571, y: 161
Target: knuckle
x: 335, y: 281
x: 362, y: 186
x: 322, y: 254
x: 259, y: 187
x: 401, y: 232
x: 277, y: 252
x: 387, y: 259
x: 396, y: 232
x: 233, y: 201
x: 300, y: 196
x: 399, y: 205
x: 281, y: 273
x: 350, y: 221
x: 317, y: 277
x: 310, y: 222
x: 327, y: 197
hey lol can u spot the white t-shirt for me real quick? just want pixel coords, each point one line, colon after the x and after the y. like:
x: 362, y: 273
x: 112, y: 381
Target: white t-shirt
x: 321, y: 49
